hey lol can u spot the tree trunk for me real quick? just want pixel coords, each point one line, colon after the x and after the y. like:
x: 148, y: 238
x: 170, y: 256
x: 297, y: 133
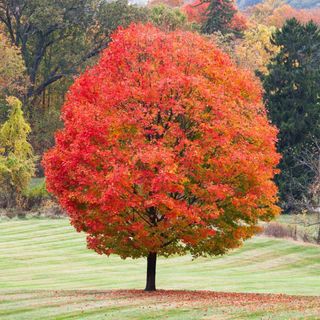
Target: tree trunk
x: 151, y: 272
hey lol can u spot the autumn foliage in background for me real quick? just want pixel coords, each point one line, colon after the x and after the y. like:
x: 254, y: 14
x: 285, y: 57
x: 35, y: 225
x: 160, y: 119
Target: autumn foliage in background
x: 166, y: 148
x: 276, y: 12
x: 12, y: 70
x: 255, y: 50
x: 169, y: 3
x: 199, y: 12
x: 286, y: 12
x: 196, y: 11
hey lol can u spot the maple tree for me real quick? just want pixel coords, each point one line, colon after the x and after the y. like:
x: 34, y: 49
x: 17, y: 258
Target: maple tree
x: 166, y: 149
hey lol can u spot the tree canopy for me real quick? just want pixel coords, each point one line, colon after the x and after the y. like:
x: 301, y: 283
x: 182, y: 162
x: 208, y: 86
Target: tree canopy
x: 166, y: 149
x: 61, y: 36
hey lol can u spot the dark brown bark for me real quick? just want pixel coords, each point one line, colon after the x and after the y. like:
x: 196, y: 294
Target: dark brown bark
x: 151, y: 272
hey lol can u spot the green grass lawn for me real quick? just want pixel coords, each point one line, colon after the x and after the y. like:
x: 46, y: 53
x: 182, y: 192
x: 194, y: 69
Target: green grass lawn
x: 41, y: 261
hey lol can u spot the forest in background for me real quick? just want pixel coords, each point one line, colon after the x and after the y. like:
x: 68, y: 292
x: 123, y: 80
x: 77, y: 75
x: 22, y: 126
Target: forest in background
x: 301, y: 4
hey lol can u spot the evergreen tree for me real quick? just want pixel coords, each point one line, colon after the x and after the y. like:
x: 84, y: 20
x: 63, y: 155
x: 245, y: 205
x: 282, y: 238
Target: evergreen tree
x: 219, y: 16
x: 16, y: 156
x: 292, y: 95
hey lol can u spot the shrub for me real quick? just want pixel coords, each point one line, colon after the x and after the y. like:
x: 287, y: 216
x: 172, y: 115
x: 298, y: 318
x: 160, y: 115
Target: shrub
x: 35, y: 195
x: 278, y: 230
x: 16, y: 156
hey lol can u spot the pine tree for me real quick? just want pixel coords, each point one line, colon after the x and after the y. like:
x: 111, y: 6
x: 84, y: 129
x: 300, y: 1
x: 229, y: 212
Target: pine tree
x: 16, y: 155
x: 219, y: 16
x: 292, y: 95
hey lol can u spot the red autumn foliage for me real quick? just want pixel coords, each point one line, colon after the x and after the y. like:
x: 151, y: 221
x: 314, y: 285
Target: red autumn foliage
x: 239, y: 22
x: 166, y: 148
x: 196, y: 11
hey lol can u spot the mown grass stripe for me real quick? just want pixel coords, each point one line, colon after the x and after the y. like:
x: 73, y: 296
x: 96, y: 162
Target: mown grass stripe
x: 37, y: 253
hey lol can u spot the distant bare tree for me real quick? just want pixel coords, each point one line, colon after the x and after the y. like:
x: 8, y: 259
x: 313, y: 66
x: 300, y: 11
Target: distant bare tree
x: 310, y: 202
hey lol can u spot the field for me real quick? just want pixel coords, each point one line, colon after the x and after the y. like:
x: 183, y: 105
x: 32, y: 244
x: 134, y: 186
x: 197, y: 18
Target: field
x: 46, y: 272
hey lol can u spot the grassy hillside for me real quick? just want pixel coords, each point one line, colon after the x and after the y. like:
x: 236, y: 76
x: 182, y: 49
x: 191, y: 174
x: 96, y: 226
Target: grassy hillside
x: 46, y: 273
x: 49, y: 254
